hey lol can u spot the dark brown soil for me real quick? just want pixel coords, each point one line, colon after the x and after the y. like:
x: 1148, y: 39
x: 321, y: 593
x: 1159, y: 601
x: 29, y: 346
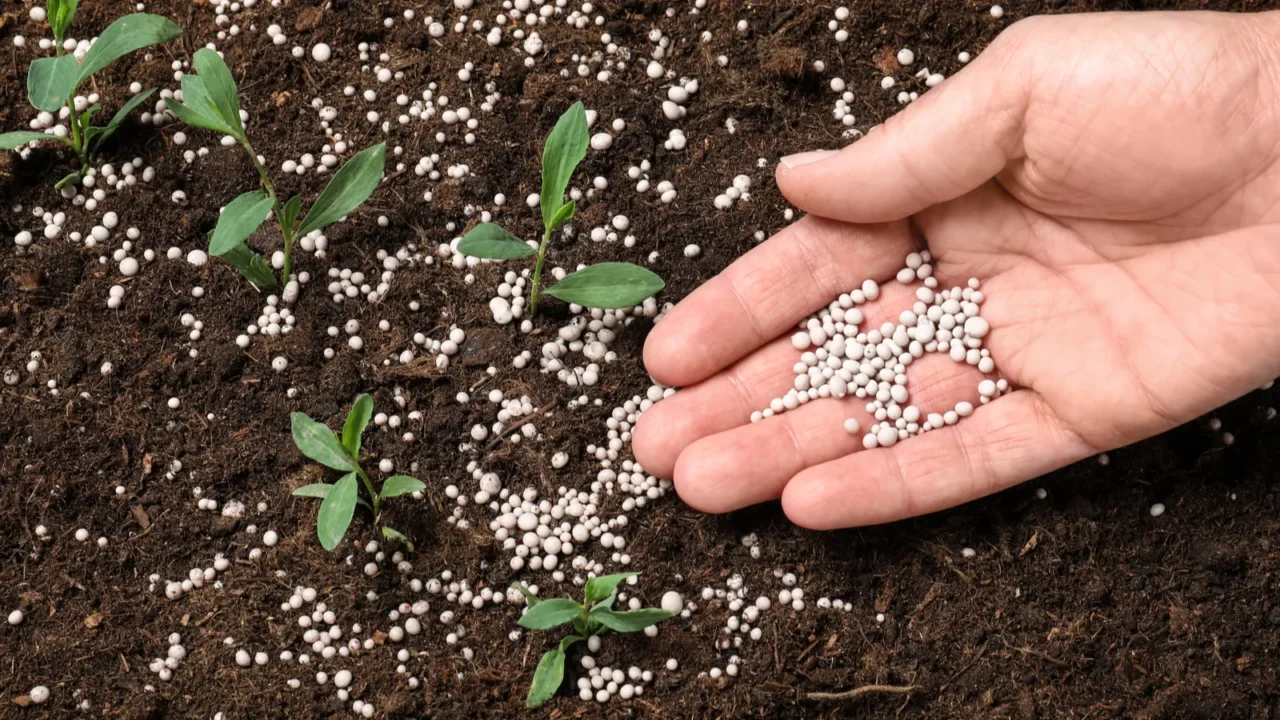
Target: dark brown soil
x: 1079, y: 605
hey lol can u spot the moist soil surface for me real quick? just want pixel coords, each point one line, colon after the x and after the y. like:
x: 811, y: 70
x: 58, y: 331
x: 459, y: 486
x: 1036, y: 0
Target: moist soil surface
x: 1077, y: 602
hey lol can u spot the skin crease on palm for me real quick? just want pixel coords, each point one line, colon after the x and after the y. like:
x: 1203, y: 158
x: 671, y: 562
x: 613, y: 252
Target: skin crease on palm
x: 1113, y: 180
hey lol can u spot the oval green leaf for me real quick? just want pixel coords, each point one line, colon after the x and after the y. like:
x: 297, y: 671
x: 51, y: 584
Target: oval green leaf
x: 550, y: 613
x: 490, y: 242
x: 599, y: 588
x: 18, y: 138
x: 336, y: 511
x: 220, y: 87
x: 196, y: 108
x: 391, y: 533
x: 546, y: 678
x: 291, y: 210
x: 398, y: 485
x: 318, y: 442
x: 357, y: 421
x: 566, y: 147
x: 238, y: 221
x: 50, y: 82
x: 564, y: 214
x: 630, y: 621
x: 129, y: 33
x: 351, y: 185
x: 314, y: 490
x: 608, y: 286
x: 251, y: 266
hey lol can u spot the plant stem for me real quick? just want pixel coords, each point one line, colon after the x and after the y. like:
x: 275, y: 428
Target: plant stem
x: 537, y: 273
x: 368, y: 485
x: 285, y: 232
x: 76, y: 141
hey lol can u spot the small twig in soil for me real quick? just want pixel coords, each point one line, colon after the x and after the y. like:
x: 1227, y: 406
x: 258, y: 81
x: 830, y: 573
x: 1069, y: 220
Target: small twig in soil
x: 807, y: 650
x: 976, y: 657
x: 860, y: 691
x: 534, y: 416
x: 1031, y: 651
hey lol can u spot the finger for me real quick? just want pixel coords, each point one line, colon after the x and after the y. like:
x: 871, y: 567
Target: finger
x: 752, y: 464
x: 955, y: 137
x: 721, y: 402
x: 727, y: 399
x: 766, y: 292
x: 1005, y: 442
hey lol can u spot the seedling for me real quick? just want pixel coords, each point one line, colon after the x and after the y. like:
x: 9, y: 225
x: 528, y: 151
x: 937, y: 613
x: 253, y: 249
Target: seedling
x: 210, y: 101
x: 607, y: 285
x: 342, y: 453
x: 594, y: 616
x: 52, y: 81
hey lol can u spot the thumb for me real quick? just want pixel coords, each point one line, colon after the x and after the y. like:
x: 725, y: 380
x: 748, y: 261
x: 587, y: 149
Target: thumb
x: 954, y: 138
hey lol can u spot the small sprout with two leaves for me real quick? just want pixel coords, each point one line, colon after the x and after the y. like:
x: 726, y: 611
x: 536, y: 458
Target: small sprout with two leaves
x: 342, y: 453
x: 607, y: 285
x: 594, y: 616
x: 210, y: 101
x: 52, y: 81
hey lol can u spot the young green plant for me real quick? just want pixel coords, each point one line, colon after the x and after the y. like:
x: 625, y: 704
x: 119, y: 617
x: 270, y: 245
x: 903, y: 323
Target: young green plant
x: 594, y: 616
x: 607, y: 285
x: 342, y: 453
x: 52, y: 81
x: 210, y: 100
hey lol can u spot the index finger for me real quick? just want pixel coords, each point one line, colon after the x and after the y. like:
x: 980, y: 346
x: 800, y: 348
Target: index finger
x: 767, y: 291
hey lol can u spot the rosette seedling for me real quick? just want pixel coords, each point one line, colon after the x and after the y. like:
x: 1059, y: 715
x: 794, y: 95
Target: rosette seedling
x: 593, y: 616
x: 341, y: 452
x: 52, y: 82
x: 606, y: 285
x: 211, y: 101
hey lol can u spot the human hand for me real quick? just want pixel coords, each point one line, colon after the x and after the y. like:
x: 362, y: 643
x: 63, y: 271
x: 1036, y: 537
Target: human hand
x: 1113, y: 180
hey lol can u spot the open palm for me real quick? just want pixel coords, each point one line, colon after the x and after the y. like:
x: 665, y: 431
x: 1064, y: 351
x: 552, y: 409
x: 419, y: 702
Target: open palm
x: 1113, y: 179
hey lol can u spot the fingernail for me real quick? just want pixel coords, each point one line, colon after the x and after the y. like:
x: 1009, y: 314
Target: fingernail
x: 804, y: 158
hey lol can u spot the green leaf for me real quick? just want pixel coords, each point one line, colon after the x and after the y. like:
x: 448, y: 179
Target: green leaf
x: 243, y: 216
x: 129, y: 33
x: 314, y: 490
x: 529, y: 597
x: 608, y: 285
x: 50, y: 82
x: 251, y: 266
x: 318, y: 442
x: 354, y: 182
x: 391, y: 533
x: 490, y: 242
x: 119, y: 117
x: 68, y: 179
x: 566, y: 146
x: 599, y: 588
x: 564, y: 214
x: 89, y: 113
x: 196, y: 108
x: 336, y: 511
x: 220, y: 87
x: 291, y: 210
x: 398, y: 485
x: 550, y: 613
x: 630, y: 621
x: 18, y: 138
x: 546, y: 678
x: 61, y: 12
x: 607, y: 602
x: 357, y: 421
